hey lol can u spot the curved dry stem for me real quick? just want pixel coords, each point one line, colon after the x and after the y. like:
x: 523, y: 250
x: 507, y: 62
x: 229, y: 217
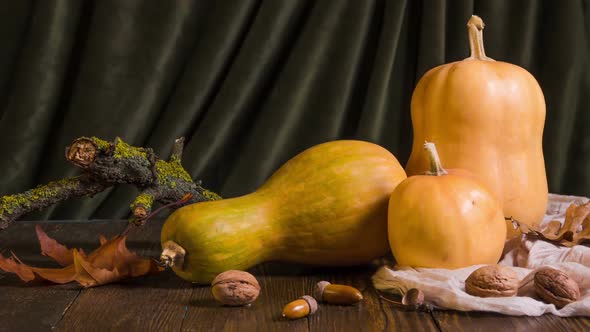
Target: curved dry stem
x: 436, y: 168
x: 475, y: 27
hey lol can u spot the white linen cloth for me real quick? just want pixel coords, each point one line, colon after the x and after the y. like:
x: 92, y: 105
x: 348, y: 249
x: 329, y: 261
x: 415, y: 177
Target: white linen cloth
x: 445, y: 289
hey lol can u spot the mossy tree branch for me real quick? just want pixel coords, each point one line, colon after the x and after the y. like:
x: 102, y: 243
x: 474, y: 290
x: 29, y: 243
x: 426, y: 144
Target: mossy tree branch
x: 105, y: 164
x: 13, y: 207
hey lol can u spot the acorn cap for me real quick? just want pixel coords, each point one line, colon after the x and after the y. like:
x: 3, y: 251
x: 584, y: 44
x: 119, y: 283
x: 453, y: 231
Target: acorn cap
x: 319, y: 290
x: 313, y: 304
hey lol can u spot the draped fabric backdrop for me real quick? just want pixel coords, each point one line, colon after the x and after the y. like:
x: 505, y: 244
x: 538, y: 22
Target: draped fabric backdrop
x: 251, y: 83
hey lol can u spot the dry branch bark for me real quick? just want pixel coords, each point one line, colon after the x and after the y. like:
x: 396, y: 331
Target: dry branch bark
x: 105, y: 164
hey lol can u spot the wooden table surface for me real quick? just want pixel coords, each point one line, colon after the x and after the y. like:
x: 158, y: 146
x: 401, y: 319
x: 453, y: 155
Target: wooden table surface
x: 166, y: 303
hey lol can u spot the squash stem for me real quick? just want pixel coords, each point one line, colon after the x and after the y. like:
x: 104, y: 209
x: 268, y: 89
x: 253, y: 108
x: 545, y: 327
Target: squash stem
x: 475, y: 27
x: 172, y: 255
x: 436, y: 168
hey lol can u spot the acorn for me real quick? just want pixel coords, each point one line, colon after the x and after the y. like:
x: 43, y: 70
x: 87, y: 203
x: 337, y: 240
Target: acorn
x: 413, y: 298
x: 337, y: 294
x: 302, y: 307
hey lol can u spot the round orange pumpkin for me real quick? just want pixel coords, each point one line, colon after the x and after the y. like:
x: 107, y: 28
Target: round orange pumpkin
x: 444, y: 219
x: 487, y: 117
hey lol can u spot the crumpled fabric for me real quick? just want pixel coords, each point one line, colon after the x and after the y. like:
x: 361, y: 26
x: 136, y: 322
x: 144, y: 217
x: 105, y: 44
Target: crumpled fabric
x: 445, y: 289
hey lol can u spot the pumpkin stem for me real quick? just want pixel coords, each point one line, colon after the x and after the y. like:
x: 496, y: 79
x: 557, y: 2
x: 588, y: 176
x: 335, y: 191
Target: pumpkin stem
x: 172, y: 255
x: 434, y: 160
x: 475, y: 27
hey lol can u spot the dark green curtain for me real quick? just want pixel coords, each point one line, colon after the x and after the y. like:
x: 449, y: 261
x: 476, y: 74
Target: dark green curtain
x: 251, y: 83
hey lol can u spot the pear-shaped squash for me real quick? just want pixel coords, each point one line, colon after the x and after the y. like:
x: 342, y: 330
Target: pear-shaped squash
x: 445, y: 219
x: 327, y: 206
x: 487, y: 117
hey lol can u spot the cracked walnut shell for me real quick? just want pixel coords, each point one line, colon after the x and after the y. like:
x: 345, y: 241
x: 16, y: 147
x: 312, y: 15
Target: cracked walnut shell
x: 492, y: 281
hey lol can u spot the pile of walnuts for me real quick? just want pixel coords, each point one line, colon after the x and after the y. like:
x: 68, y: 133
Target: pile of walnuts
x: 551, y: 285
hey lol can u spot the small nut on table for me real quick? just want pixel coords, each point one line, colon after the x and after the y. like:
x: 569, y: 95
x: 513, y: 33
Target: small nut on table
x: 413, y: 298
x: 302, y: 307
x: 492, y: 281
x: 556, y: 287
x: 235, y: 288
x: 337, y: 294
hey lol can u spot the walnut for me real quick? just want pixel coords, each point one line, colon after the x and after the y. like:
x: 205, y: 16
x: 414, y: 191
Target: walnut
x: 492, y: 281
x: 556, y: 287
x: 235, y: 288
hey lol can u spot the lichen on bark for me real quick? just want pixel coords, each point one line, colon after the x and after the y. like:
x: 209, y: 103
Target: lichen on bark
x: 14, y: 206
x: 105, y: 164
x: 126, y: 151
x: 168, y: 172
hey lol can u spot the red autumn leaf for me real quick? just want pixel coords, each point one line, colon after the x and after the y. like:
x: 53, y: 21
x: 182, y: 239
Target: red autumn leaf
x: 49, y: 247
x: 110, y: 262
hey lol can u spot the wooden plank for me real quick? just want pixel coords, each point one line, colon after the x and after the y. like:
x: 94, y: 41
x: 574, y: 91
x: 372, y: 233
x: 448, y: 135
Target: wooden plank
x: 282, y: 283
x: 152, y: 303
x: 40, y: 307
x: 407, y: 320
x: 165, y: 302
x: 480, y: 321
x: 373, y: 314
x: 205, y: 314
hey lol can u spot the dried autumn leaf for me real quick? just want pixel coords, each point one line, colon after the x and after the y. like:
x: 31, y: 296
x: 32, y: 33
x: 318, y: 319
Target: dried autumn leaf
x: 575, y: 229
x: 51, y: 248
x: 11, y: 265
x: 110, y: 262
x: 126, y: 262
x: 89, y: 275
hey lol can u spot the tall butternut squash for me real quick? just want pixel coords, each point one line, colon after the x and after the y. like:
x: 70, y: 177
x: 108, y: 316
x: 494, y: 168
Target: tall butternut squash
x: 487, y: 117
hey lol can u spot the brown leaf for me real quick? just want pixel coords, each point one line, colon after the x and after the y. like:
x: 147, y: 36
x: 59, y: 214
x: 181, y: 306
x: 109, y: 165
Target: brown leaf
x: 58, y: 276
x: 104, y: 256
x: 110, y: 262
x: 102, y: 239
x: 49, y: 247
x: 575, y: 229
x: 130, y: 264
x: 11, y: 265
x: 28, y: 273
x: 88, y: 275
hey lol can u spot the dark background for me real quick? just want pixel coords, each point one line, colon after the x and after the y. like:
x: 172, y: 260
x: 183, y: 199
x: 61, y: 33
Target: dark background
x: 252, y: 83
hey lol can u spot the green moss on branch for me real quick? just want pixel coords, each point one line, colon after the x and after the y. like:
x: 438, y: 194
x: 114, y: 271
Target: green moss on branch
x: 13, y: 207
x: 106, y: 164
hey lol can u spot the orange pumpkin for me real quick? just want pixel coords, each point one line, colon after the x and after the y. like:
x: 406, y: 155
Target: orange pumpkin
x: 444, y: 219
x: 487, y: 117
